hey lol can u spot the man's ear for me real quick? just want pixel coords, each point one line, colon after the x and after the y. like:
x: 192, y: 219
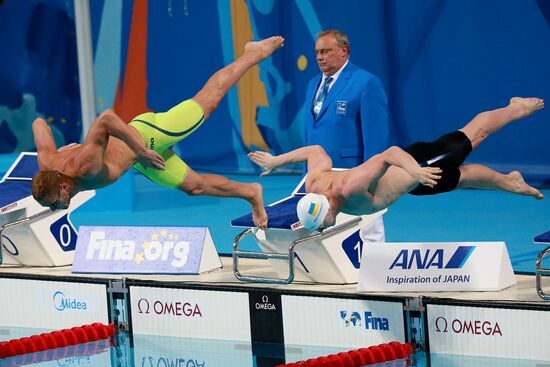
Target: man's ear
x: 345, y: 49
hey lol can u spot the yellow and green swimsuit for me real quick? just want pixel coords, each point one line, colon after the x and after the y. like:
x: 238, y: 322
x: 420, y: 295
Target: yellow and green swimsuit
x: 162, y: 130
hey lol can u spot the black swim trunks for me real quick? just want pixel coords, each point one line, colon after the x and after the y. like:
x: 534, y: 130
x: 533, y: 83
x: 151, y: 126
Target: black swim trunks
x: 448, y: 153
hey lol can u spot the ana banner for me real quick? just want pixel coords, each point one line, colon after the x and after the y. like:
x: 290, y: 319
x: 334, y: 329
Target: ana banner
x: 443, y: 266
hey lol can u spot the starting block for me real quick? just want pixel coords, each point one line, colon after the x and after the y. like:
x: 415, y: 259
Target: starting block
x: 31, y: 235
x: 543, y: 239
x: 332, y: 255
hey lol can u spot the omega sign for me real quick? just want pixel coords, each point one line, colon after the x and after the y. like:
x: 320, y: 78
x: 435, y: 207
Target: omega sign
x: 265, y: 304
x: 473, y: 327
x: 171, y: 362
x: 177, y: 308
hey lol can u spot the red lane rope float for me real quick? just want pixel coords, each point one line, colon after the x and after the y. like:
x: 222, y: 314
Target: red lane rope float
x: 56, y: 339
x: 359, y: 357
x: 78, y: 350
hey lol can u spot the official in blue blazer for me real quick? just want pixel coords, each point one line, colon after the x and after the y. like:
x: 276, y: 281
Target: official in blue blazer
x: 346, y: 110
x: 352, y: 124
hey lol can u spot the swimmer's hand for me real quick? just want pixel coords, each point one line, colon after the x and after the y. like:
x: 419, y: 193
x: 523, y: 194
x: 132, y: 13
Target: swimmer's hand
x: 150, y: 158
x: 428, y: 176
x: 263, y: 159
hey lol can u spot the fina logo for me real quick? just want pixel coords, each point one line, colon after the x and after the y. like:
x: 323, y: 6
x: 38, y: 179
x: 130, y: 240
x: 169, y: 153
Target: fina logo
x: 265, y: 304
x: 62, y: 303
x: 371, y: 322
x: 419, y: 259
x: 354, y: 318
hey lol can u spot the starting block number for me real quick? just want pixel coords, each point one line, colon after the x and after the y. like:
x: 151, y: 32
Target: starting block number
x: 64, y: 233
x: 353, y: 246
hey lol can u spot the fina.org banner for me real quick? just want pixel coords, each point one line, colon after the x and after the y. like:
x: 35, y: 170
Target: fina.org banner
x: 126, y: 249
x: 51, y: 305
x: 444, y: 266
x: 341, y: 322
x: 489, y: 332
x: 190, y: 313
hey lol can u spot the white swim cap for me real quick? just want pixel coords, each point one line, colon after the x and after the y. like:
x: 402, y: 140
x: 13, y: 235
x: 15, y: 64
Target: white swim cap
x: 312, y: 210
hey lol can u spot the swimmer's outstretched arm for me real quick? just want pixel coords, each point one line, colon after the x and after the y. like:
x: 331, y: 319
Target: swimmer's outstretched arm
x: 315, y: 156
x: 395, y: 156
x: 109, y: 123
x: 43, y: 139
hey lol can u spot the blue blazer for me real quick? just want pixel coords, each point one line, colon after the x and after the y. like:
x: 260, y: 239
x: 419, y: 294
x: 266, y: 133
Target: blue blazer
x: 352, y: 125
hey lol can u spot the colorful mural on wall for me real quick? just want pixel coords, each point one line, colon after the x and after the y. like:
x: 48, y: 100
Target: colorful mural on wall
x: 136, y: 33
x: 440, y: 62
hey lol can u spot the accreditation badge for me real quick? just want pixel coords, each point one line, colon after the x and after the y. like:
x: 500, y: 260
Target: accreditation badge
x: 341, y: 107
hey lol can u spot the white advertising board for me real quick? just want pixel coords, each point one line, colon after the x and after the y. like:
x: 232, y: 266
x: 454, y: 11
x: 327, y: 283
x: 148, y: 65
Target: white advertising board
x: 51, y: 305
x: 200, y: 314
x: 341, y: 322
x: 489, y: 332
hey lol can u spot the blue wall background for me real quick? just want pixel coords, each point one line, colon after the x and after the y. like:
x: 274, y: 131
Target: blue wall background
x: 38, y: 73
x: 440, y: 61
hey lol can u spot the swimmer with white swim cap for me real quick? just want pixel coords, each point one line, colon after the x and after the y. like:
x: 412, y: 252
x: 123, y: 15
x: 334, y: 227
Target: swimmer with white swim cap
x: 312, y: 210
x: 420, y: 169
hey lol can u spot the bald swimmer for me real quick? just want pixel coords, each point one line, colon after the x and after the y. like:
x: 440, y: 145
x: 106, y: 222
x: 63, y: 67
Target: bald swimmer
x: 420, y: 169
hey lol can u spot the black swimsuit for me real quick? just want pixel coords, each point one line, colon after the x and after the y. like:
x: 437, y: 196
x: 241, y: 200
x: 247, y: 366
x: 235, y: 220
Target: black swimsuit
x: 448, y: 153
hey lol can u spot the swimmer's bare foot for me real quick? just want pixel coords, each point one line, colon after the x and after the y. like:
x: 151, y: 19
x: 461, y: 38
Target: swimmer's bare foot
x: 518, y: 185
x: 528, y: 105
x: 259, y: 215
x: 264, y: 48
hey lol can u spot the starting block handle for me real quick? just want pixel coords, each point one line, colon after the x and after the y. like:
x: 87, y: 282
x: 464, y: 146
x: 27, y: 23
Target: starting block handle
x: 256, y: 255
x: 327, y: 232
x: 18, y: 222
x: 279, y: 256
x: 261, y: 255
x: 540, y: 272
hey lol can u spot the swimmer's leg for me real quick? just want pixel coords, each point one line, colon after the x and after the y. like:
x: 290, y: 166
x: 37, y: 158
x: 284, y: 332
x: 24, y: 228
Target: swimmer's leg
x: 215, y: 185
x: 486, y: 123
x: 219, y: 84
x: 476, y: 176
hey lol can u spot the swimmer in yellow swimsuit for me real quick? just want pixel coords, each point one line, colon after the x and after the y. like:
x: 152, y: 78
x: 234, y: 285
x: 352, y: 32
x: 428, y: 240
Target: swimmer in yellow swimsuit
x: 111, y: 146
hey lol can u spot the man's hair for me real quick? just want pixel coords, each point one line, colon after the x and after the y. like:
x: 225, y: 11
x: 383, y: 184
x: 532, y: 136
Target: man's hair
x: 44, y: 183
x: 340, y: 37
